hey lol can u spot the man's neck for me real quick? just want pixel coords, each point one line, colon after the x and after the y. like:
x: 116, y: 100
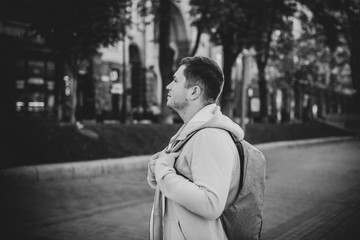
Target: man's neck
x: 190, y: 111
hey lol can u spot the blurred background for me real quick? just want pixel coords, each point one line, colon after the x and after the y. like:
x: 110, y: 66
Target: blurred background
x: 85, y: 80
x: 77, y: 75
x: 85, y: 63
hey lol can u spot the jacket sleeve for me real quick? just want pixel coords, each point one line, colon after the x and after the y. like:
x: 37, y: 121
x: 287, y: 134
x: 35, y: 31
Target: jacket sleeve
x: 151, y: 179
x: 211, y: 160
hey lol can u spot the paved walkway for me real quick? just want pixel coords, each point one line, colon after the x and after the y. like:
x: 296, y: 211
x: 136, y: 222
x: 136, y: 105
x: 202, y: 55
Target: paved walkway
x: 313, y: 192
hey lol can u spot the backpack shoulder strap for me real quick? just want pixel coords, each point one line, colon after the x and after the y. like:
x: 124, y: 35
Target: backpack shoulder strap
x: 178, y: 144
x: 238, y: 145
x: 240, y: 149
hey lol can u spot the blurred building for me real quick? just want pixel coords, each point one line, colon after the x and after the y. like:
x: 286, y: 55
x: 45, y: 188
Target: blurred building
x: 28, y: 71
x: 121, y: 81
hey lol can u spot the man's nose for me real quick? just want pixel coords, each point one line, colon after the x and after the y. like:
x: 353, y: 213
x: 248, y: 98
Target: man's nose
x: 168, y: 87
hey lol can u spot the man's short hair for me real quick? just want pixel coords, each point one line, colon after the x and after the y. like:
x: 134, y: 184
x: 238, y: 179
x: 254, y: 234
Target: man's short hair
x: 205, y: 73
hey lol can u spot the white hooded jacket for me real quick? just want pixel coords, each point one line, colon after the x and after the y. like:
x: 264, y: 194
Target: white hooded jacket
x: 191, y: 209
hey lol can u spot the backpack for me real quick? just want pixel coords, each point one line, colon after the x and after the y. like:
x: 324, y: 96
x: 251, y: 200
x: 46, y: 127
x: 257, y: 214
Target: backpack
x: 242, y: 220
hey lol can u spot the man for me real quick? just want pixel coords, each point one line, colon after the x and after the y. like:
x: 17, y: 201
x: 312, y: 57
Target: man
x: 194, y: 185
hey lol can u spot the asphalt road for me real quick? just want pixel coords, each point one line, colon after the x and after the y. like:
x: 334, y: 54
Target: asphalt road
x: 312, y: 192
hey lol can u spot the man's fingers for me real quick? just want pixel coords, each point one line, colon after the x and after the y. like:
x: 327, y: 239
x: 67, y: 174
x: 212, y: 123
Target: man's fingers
x: 155, y: 156
x: 165, y: 153
x: 175, y: 154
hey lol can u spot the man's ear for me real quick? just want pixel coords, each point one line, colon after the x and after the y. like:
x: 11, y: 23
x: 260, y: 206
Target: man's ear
x: 195, y: 92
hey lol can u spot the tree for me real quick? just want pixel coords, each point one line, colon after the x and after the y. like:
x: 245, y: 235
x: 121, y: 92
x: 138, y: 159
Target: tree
x: 340, y: 19
x: 166, y: 62
x: 299, y: 62
x: 271, y: 16
x: 226, y: 22
x: 76, y: 29
x: 302, y: 59
x: 280, y: 68
x: 236, y: 25
x: 162, y: 10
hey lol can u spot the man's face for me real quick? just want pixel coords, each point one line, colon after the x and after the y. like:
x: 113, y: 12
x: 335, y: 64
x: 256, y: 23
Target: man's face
x: 177, y: 92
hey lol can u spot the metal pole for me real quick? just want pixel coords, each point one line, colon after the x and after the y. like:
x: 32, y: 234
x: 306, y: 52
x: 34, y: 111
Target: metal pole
x: 144, y: 69
x: 244, y: 90
x: 124, y: 105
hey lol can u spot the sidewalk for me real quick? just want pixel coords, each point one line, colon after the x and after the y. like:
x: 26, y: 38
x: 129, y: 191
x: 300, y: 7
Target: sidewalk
x: 312, y: 193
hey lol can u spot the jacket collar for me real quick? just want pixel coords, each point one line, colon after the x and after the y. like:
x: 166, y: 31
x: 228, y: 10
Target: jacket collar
x: 200, y: 119
x: 205, y: 114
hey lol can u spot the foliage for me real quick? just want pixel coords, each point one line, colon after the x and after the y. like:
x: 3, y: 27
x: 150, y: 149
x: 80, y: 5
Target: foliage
x: 340, y: 20
x: 274, y: 16
x: 281, y: 68
x: 222, y: 20
x: 79, y: 27
x: 328, y: 19
x: 307, y: 58
x: 301, y: 58
x: 310, y: 62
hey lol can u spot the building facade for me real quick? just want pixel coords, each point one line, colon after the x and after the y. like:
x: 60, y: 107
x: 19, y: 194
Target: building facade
x: 28, y: 72
x: 137, y: 60
x: 122, y: 80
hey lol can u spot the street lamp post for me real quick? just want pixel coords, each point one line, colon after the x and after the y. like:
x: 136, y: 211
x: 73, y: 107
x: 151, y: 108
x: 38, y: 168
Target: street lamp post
x: 124, y: 102
x: 244, y: 83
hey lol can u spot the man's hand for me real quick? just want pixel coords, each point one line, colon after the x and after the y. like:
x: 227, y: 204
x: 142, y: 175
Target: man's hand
x: 165, y: 160
x: 151, y: 163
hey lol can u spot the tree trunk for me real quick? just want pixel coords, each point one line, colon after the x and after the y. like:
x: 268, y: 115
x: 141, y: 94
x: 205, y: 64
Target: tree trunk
x: 285, y: 108
x: 73, y: 65
x: 263, y: 92
x: 320, y: 102
x: 59, y: 89
x: 166, y: 55
x: 8, y: 88
x: 355, y: 73
x: 353, y: 37
x: 227, y: 94
x: 73, y: 95
x: 197, y: 41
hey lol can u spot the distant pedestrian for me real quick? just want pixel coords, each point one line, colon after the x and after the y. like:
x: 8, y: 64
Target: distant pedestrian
x: 195, y: 185
x: 152, y: 85
x: 155, y: 112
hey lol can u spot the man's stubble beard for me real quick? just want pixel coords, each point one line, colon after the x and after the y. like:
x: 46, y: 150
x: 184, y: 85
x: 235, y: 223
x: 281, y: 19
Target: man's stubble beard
x: 177, y: 107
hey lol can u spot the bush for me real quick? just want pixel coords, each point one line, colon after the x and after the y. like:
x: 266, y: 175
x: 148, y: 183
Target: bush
x: 38, y: 142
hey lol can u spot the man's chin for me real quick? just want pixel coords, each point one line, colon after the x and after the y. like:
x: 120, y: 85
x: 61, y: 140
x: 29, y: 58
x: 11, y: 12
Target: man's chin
x: 169, y: 106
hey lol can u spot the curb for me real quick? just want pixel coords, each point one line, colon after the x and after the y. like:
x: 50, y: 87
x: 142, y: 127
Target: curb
x: 295, y: 143
x: 64, y: 171
x: 83, y: 169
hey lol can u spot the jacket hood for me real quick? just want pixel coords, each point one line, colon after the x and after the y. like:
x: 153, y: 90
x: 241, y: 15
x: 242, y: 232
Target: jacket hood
x: 215, y: 120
